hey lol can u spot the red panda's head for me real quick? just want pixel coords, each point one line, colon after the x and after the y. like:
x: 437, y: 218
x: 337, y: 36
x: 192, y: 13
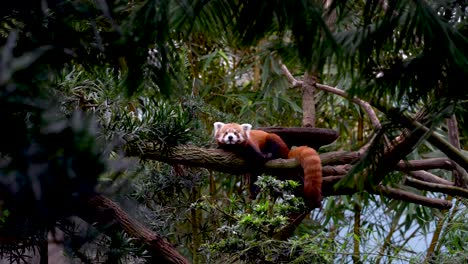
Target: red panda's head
x: 232, y: 133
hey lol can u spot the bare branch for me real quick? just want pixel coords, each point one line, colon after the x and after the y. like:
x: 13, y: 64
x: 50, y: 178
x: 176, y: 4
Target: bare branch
x: 295, y: 83
x: 449, y: 150
x: 336, y: 170
x: 365, y: 105
x: 429, y: 177
x: 398, y: 194
x: 459, y: 174
x: 308, y: 99
x: 426, y: 164
x: 436, y: 187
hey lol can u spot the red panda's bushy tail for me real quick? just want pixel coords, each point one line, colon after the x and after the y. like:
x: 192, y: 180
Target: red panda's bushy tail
x: 310, y: 162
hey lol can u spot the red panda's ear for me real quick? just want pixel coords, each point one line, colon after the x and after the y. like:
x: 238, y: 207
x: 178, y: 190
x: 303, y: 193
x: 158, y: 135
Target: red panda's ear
x: 246, y: 127
x: 217, y: 126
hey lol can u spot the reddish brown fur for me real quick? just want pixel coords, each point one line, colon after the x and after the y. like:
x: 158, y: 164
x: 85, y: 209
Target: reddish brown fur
x: 310, y: 162
x: 271, y: 144
x: 261, y: 138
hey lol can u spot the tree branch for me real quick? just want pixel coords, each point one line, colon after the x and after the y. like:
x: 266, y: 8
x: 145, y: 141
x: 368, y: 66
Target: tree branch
x: 397, y: 194
x: 429, y: 177
x: 308, y: 99
x: 449, y: 150
x: 111, y: 218
x: 365, y: 105
x: 436, y: 187
x: 295, y: 83
x: 426, y: 164
x: 216, y: 159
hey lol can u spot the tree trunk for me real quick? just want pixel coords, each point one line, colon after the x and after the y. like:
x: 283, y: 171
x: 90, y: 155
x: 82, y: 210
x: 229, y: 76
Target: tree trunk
x: 308, y: 100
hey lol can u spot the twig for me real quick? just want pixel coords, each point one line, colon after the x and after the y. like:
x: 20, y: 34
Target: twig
x: 295, y: 83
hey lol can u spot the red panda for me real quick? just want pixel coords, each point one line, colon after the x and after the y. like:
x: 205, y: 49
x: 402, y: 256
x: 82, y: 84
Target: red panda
x: 260, y: 146
x: 253, y: 145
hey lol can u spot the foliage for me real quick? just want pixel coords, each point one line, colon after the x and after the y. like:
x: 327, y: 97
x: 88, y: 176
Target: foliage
x: 80, y: 79
x: 48, y: 161
x: 452, y: 244
x: 248, y: 229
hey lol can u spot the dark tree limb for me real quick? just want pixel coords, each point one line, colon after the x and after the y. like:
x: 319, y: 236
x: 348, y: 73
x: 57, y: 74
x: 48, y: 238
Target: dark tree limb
x: 451, y: 151
x: 214, y: 159
x: 391, y: 157
x: 436, y: 187
x: 429, y: 177
x: 110, y: 218
x: 393, y: 193
x: 402, y: 195
x: 426, y: 164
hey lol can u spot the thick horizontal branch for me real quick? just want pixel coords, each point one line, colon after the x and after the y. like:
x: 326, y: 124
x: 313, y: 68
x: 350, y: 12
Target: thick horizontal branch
x: 216, y: 159
x: 193, y: 156
x: 220, y: 160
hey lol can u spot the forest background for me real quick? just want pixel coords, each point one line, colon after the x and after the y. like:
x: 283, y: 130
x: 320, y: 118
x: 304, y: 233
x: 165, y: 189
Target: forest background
x: 107, y: 110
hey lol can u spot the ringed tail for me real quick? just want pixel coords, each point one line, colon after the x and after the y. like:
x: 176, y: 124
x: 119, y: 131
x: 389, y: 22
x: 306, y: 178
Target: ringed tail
x: 310, y: 162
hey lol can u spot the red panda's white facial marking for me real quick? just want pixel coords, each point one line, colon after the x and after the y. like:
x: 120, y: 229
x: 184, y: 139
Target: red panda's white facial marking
x: 232, y: 133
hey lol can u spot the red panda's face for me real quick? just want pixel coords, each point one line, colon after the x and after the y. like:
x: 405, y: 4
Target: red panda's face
x: 232, y: 133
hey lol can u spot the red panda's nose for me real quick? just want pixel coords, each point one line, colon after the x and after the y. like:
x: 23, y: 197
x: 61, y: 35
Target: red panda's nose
x: 230, y: 137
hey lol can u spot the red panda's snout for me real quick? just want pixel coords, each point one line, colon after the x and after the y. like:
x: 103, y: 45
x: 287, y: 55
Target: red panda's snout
x: 231, y: 138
